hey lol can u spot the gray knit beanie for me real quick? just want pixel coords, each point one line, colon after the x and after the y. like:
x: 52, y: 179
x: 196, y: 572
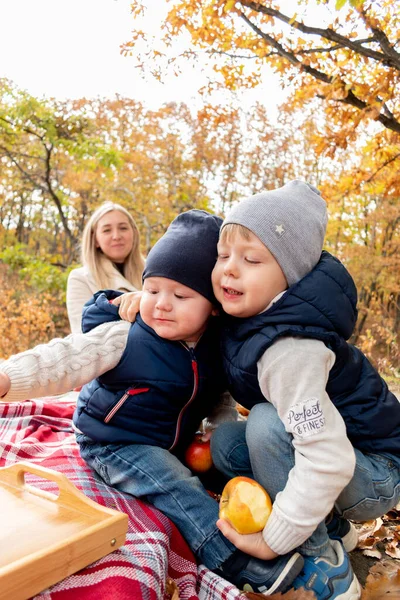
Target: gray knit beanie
x: 290, y: 221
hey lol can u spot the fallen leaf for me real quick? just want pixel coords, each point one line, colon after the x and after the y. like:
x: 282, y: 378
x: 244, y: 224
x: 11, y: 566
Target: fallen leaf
x: 382, y: 533
x: 242, y: 410
x: 368, y: 528
x: 392, y: 515
x: 172, y: 590
x: 383, y: 582
x: 392, y: 549
x: 368, y: 542
x: 374, y: 553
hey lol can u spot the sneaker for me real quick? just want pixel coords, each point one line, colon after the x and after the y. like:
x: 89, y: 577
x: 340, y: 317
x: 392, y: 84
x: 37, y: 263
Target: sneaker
x: 341, y: 528
x: 329, y: 581
x: 268, y: 576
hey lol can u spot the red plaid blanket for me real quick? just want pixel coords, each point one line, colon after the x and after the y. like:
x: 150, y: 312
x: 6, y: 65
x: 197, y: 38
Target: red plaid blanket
x: 40, y: 431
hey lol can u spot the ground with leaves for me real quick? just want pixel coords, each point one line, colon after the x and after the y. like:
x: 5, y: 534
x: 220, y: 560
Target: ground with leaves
x: 376, y: 561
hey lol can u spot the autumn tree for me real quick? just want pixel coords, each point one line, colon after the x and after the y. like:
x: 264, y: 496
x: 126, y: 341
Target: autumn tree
x: 349, y: 59
x: 40, y: 141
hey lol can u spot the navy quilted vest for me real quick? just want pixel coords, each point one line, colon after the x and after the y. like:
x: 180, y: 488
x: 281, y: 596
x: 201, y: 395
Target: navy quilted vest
x: 158, y: 393
x: 321, y: 306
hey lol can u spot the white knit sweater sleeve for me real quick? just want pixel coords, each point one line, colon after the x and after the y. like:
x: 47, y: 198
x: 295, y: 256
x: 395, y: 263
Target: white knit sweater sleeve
x: 293, y: 374
x: 63, y: 364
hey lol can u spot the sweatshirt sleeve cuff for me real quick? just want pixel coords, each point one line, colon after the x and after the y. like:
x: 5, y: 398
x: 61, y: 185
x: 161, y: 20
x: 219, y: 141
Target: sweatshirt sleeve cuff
x: 281, y: 536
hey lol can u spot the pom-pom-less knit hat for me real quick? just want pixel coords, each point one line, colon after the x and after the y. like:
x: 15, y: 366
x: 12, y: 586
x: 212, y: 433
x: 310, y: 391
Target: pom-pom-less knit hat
x: 290, y: 221
x: 187, y: 252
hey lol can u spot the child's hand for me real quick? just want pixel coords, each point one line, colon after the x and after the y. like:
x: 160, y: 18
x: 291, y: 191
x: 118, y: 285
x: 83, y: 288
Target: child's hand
x: 207, y: 435
x: 129, y: 305
x: 251, y: 543
x: 5, y: 384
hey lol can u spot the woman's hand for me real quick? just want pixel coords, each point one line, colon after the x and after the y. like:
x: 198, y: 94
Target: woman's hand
x: 251, y: 543
x: 129, y: 305
x: 5, y: 384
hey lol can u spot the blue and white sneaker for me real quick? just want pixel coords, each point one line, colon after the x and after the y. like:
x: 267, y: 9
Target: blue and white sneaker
x: 340, y: 528
x: 329, y: 581
x: 267, y: 576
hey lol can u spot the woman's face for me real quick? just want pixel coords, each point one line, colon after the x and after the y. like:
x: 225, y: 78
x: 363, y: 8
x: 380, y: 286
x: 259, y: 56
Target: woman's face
x: 114, y: 236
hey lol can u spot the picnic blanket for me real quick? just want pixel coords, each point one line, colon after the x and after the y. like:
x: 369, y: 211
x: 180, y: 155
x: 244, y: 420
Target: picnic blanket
x: 41, y: 432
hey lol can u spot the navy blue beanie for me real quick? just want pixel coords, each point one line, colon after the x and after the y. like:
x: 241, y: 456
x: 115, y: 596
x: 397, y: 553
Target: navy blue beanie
x: 187, y: 252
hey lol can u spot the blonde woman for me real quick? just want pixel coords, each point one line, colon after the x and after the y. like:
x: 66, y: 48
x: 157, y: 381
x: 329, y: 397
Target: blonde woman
x: 111, y: 259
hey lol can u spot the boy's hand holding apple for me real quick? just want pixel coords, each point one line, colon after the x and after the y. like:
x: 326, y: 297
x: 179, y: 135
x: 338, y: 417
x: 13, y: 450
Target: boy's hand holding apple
x: 244, y: 510
x: 250, y: 543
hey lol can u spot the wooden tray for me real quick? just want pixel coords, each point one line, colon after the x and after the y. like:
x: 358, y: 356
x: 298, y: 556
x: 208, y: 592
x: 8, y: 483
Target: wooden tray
x: 45, y: 537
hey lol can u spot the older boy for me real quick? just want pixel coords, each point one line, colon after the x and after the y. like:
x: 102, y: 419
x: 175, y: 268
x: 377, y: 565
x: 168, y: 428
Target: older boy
x: 154, y: 382
x: 323, y: 430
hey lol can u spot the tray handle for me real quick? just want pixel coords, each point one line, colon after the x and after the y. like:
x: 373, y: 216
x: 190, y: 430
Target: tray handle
x: 69, y: 495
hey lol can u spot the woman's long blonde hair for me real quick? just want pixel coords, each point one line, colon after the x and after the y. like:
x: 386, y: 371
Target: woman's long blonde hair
x: 98, y: 264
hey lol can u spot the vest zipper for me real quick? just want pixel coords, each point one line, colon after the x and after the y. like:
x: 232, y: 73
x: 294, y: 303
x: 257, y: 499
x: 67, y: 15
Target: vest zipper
x: 192, y: 397
x: 122, y: 401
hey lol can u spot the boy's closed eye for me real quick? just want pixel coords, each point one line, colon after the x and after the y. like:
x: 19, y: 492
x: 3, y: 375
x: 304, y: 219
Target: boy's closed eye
x: 252, y: 261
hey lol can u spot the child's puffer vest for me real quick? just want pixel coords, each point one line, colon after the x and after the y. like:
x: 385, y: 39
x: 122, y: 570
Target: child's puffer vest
x: 321, y: 306
x: 158, y: 393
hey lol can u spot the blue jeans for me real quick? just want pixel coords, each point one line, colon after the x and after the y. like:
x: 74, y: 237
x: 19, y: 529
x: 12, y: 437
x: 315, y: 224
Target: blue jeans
x: 156, y: 475
x: 262, y: 449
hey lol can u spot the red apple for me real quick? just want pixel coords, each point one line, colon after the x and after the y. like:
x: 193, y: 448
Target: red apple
x: 245, y: 505
x: 198, y: 455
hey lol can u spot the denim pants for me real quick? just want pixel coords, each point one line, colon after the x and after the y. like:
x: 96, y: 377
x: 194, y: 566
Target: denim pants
x: 262, y: 449
x: 156, y: 475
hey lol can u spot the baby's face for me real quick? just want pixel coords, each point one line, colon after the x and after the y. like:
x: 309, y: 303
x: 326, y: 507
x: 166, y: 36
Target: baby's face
x: 174, y: 311
x: 246, y: 276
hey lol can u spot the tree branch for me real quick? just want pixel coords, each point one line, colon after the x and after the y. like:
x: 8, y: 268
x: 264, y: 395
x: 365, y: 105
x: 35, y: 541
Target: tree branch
x: 381, y: 38
x: 385, y: 164
x: 53, y: 195
x: 27, y: 175
x: 391, y: 58
x: 351, y: 98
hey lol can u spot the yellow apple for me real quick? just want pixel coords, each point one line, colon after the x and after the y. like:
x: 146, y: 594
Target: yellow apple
x: 245, y: 505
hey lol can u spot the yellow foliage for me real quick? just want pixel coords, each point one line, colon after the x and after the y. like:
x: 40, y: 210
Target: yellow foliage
x: 25, y: 319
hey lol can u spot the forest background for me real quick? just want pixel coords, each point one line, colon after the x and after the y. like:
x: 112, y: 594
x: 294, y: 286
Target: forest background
x: 338, y: 127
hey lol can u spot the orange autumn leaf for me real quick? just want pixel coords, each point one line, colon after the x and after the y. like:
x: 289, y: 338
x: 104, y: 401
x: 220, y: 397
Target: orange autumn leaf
x: 172, y: 590
x: 383, y: 581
